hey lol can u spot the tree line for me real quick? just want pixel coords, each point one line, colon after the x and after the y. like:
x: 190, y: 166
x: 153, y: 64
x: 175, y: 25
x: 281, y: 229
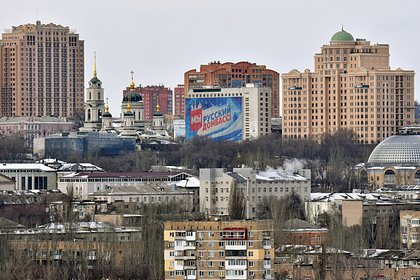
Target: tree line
x: 330, y: 159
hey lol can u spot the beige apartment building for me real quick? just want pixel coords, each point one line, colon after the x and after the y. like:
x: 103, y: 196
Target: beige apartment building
x: 41, y: 71
x: 352, y: 87
x: 410, y: 228
x: 219, y: 250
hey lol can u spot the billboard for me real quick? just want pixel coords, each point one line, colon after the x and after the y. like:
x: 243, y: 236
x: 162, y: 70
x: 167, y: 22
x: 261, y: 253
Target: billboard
x: 219, y: 118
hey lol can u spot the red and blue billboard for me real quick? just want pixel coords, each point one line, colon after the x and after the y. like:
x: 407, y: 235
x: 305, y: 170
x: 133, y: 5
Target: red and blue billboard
x: 219, y: 118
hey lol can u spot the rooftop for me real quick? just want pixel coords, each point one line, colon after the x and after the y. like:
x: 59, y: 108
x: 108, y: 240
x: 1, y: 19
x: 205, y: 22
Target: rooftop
x: 342, y: 36
x: 126, y: 174
x: 141, y: 190
x: 26, y: 166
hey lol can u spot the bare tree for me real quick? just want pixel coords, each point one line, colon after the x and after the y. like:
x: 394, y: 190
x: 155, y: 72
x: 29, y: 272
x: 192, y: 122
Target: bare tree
x: 236, y: 203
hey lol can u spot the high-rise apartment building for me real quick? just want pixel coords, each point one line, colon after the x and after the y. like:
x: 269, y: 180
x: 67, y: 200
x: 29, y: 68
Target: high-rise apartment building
x: 179, y: 101
x: 219, y: 250
x: 234, y: 75
x: 352, y: 87
x: 152, y: 96
x: 41, y: 71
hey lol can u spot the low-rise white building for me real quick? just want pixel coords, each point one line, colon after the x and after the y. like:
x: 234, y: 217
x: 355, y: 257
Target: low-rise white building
x: 216, y: 186
x: 146, y: 194
x: 30, y: 176
x: 80, y: 185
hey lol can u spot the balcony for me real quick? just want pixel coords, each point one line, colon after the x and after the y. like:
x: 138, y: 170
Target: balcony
x: 191, y: 236
x: 235, y: 277
x: 185, y: 258
x: 267, y: 265
x: 235, y: 254
x: 180, y: 245
x: 191, y: 276
x: 235, y: 267
x: 267, y: 246
x: 178, y: 267
x: 235, y: 247
x: 190, y: 246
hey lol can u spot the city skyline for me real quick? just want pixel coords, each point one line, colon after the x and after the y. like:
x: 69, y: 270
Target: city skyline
x: 160, y: 40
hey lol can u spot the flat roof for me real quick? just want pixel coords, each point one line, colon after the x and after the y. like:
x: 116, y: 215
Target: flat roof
x: 25, y: 166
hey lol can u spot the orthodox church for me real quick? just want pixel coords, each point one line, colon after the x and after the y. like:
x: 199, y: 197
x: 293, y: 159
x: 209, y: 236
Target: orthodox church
x: 131, y: 122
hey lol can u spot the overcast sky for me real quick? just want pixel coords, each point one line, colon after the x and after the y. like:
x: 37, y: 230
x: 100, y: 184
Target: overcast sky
x: 161, y: 39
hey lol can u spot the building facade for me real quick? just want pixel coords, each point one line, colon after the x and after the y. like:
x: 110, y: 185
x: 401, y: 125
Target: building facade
x: 30, y: 176
x: 179, y: 101
x: 42, y: 71
x: 147, y: 193
x: 352, y: 87
x: 153, y: 96
x: 34, y: 127
x: 82, y: 184
x: 234, y: 114
x: 68, y: 144
x: 233, y: 75
x: 395, y: 162
x: 179, y: 128
x: 219, y: 250
x: 216, y: 188
x: 410, y: 228
x: 299, y: 232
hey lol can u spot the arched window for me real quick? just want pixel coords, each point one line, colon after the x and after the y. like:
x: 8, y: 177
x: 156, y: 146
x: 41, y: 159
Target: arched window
x: 389, y: 177
x: 88, y: 115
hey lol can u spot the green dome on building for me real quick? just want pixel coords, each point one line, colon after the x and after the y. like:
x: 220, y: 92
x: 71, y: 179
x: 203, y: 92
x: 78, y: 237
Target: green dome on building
x: 132, y: 96
x: 342, y: 36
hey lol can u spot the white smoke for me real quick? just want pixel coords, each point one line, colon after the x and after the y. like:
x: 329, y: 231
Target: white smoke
x: 290, y: 167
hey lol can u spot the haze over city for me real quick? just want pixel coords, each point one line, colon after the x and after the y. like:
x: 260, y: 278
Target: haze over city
x: 160, y: 40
